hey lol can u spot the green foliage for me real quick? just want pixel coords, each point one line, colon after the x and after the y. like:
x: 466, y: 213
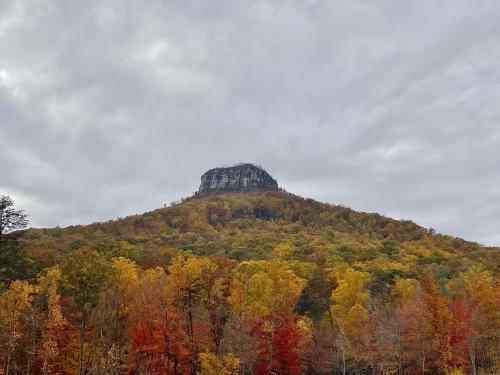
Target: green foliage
x: 315, y: 298
x: 85, y: 274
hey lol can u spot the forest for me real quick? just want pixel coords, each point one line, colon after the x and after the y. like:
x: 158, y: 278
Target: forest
x: 248, y: 283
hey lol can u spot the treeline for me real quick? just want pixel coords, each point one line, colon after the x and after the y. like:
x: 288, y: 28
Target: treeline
x: 94, y: 314
x: 248, y: 226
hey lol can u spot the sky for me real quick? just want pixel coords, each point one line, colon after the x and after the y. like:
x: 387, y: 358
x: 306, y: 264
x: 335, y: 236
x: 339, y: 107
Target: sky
x: 111, y: 108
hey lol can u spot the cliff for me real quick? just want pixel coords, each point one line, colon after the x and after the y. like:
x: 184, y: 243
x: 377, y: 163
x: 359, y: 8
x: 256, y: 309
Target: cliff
x: 241, y: 177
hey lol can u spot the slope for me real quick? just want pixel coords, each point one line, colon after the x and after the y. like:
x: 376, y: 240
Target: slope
x: 250, y: 225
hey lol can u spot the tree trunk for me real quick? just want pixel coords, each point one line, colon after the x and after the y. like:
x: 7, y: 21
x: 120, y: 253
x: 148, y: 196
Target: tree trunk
x: 342, y: 349
x: 82, y: 337
x: 7, y: 366
x: 472, y: 356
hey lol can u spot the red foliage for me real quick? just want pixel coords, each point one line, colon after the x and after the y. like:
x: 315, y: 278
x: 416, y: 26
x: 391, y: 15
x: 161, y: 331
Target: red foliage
x: 461, y: 332
x: 277, y: 347
x: 286, y: 342
x: 160, y: 347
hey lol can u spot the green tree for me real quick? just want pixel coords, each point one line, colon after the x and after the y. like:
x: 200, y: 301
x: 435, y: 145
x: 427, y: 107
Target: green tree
x: 10, y: 218
x: 85, y: 275
x: 12, y: 266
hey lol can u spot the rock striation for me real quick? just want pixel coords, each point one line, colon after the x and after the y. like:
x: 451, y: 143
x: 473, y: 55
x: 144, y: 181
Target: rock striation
x: 240, y: 177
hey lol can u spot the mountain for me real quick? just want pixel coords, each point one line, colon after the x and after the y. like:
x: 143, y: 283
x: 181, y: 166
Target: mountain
x: 244, y: 278
x: 242, y: 222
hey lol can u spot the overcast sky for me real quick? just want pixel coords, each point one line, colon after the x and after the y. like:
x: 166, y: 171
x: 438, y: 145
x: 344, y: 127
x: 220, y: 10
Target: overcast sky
x: 110, y: 108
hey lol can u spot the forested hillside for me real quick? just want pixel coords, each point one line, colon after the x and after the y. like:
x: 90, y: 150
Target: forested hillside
x: 248, y: 283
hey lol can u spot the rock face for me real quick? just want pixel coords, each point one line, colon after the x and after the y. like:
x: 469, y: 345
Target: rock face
x: 241, y: 177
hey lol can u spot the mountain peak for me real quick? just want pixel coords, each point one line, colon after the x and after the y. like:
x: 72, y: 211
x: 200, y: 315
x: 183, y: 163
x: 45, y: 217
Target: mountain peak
x: 239, y: 177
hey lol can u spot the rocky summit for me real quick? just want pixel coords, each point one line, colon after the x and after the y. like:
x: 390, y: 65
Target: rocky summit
x: 240, y: 177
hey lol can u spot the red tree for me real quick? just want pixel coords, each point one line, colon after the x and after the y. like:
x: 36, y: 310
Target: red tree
x: 461, y: 331
x: 277, y: 346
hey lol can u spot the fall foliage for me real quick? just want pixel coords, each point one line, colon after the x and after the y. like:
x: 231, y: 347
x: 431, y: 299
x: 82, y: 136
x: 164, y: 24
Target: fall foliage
x: 254, y: 283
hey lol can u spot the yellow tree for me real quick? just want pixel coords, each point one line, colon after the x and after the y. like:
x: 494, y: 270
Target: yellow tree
x: 113, y: 312
x: 55, y: 322
x: 348, y: 313
x: 265, y: 288
x: 186, y: 282
x: 479, y: 291
x: 211, y: 364
x: 263, y: 297
x: 15, y: 303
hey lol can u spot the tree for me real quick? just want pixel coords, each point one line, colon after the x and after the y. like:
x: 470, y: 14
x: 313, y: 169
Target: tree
x: 462, y: 334
x: 159, y: 337
x: 348, y: 311
x: 113, y: 313
x: 12, y: 266
x: 85, y: 276
x: 10, y: 218
x: 15, y: 304
x: 314, y: 300
x: 55, y: 323
x: 186, y: 279
x: 212, y: 365
x: 416, y: 334
x: 216, y: 285
x: 477, y: 290
x: 264, y: 294
x: 441, y: 318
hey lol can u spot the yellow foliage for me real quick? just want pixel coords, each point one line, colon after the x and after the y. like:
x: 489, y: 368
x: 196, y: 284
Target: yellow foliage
x: 479, y: 286
x: 14, y: 302
x: 404, y: 288
x: 260, y: 294
x: 126, y: 276
x: 281, y: 250
x: 183, y: 273
x: 55, y: 322
x: 212, y: 365
x: 355, y: 320
x: 263, y: 287
x: 454, y: 371
x: 350, y: 292
x: 237, y: 296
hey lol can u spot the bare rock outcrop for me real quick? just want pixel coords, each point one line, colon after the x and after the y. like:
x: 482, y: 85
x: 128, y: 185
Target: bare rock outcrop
x: 240, y: 177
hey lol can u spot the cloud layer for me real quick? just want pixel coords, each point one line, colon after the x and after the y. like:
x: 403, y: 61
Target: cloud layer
x: 116, y: 107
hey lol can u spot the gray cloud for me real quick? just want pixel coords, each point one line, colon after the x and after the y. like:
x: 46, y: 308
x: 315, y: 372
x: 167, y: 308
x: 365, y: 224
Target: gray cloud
x: 116, y: 107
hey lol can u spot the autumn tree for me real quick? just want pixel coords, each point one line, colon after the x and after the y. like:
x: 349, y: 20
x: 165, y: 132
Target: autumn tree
x: 265, y: 294
x: 55, y: 323
x: 160, y: 343
x: 416, y: 334
x: 216, y: 286
x: 112, y: 314
x: 186, y: 278
x: 85, y: 276
x: 462, y: 335
x: 211, y: 364
x: 15, y: 306
x: 477, y: 298
x: 440, y: 319
x: 348, y: 313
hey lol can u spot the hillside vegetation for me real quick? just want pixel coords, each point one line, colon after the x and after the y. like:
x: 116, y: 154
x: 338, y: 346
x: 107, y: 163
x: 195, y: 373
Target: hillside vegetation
x: 248, y: 283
